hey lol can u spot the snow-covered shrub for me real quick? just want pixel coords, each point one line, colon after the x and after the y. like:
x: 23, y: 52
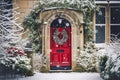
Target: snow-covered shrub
x: 110, y: 63
x: 87, y: 58
x: 37, y: 62
x: 13, y: 51
x: 16, y: 60
x: 102, y: 63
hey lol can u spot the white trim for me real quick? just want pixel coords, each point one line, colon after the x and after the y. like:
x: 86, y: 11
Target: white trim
x: 100, y: 24
x: 100, y: 45
x: 105, y: 2
x: 115, y: 2
x: 101, y: 2
x: 115, y: 24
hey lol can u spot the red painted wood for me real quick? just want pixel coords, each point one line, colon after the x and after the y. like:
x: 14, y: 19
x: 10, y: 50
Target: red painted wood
x: 60, y: 55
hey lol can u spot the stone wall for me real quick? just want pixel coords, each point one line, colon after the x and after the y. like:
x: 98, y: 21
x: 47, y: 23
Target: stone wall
x: 74, y: 17
x: 23, y: 7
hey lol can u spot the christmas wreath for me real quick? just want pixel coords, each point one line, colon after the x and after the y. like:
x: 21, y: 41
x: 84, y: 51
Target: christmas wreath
x: 57, y: 39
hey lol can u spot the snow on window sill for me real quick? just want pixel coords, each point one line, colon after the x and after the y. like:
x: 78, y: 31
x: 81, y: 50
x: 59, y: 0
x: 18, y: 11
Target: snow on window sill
x: 100, y: 45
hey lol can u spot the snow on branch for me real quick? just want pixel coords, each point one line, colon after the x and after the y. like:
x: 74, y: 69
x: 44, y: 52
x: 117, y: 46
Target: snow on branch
x: 11, y: 31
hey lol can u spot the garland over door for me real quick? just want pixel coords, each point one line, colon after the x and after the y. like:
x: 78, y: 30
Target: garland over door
x: 60, y: 44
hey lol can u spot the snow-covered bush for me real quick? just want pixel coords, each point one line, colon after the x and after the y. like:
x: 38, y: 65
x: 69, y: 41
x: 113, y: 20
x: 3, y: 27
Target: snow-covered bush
x: 37, y: 62
x: 13, y: 51
x: 16, y: 60
x: 110, y: 63
x: 87, y: 58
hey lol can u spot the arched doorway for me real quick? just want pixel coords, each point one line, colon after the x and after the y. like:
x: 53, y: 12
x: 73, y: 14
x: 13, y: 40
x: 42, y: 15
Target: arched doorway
x: 60, y: 44
x: 59, y: 19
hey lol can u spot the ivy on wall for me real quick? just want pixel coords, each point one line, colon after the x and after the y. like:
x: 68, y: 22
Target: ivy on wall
x: 34, y: 24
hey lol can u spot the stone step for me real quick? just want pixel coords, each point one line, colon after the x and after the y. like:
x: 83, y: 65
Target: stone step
x: 52, y: 71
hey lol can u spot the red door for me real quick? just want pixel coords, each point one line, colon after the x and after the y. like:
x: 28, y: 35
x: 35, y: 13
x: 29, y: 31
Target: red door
x: 60, y: 44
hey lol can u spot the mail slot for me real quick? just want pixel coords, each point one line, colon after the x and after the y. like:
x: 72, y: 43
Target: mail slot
x: 60, y: 50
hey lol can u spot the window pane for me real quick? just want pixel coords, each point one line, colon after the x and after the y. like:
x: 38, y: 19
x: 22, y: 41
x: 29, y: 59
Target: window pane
x: 100, y: 16
x: 115, y: 30
x: 115, y: 15
x: 100, y: 34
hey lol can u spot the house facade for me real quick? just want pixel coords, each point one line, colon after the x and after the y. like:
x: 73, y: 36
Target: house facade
x: 63, y: 30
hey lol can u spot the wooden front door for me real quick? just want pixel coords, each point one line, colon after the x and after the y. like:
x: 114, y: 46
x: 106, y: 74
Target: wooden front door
x: 60, y: 44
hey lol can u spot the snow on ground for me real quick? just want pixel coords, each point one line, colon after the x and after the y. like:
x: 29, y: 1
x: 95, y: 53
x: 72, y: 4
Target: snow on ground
x: 64, y: 76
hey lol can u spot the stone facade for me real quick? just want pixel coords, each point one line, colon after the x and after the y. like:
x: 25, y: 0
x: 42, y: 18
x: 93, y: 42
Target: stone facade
x: 76, y: 20
x: 73, y: 16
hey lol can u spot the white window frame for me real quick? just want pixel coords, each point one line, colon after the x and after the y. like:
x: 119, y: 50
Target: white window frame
x: 105, y: 2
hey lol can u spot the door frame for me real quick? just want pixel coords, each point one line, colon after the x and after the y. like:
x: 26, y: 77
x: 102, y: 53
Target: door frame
x: 75, y: 19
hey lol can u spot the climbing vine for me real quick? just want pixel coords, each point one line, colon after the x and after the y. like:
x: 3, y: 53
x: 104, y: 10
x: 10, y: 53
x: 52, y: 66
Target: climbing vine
x: 33, y: 23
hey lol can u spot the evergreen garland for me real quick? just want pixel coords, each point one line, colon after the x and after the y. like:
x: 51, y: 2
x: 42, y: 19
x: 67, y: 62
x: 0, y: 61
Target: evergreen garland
x: 87, y: 7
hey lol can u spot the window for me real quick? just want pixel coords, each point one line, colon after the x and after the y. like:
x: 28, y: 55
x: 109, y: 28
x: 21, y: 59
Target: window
x: 100, y: 34
x: 115, y: 15
x: 115, y: 20
x: 100, y: 25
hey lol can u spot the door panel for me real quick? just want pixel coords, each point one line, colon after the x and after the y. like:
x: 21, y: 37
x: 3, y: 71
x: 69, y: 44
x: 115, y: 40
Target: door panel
x: 60, y: 45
